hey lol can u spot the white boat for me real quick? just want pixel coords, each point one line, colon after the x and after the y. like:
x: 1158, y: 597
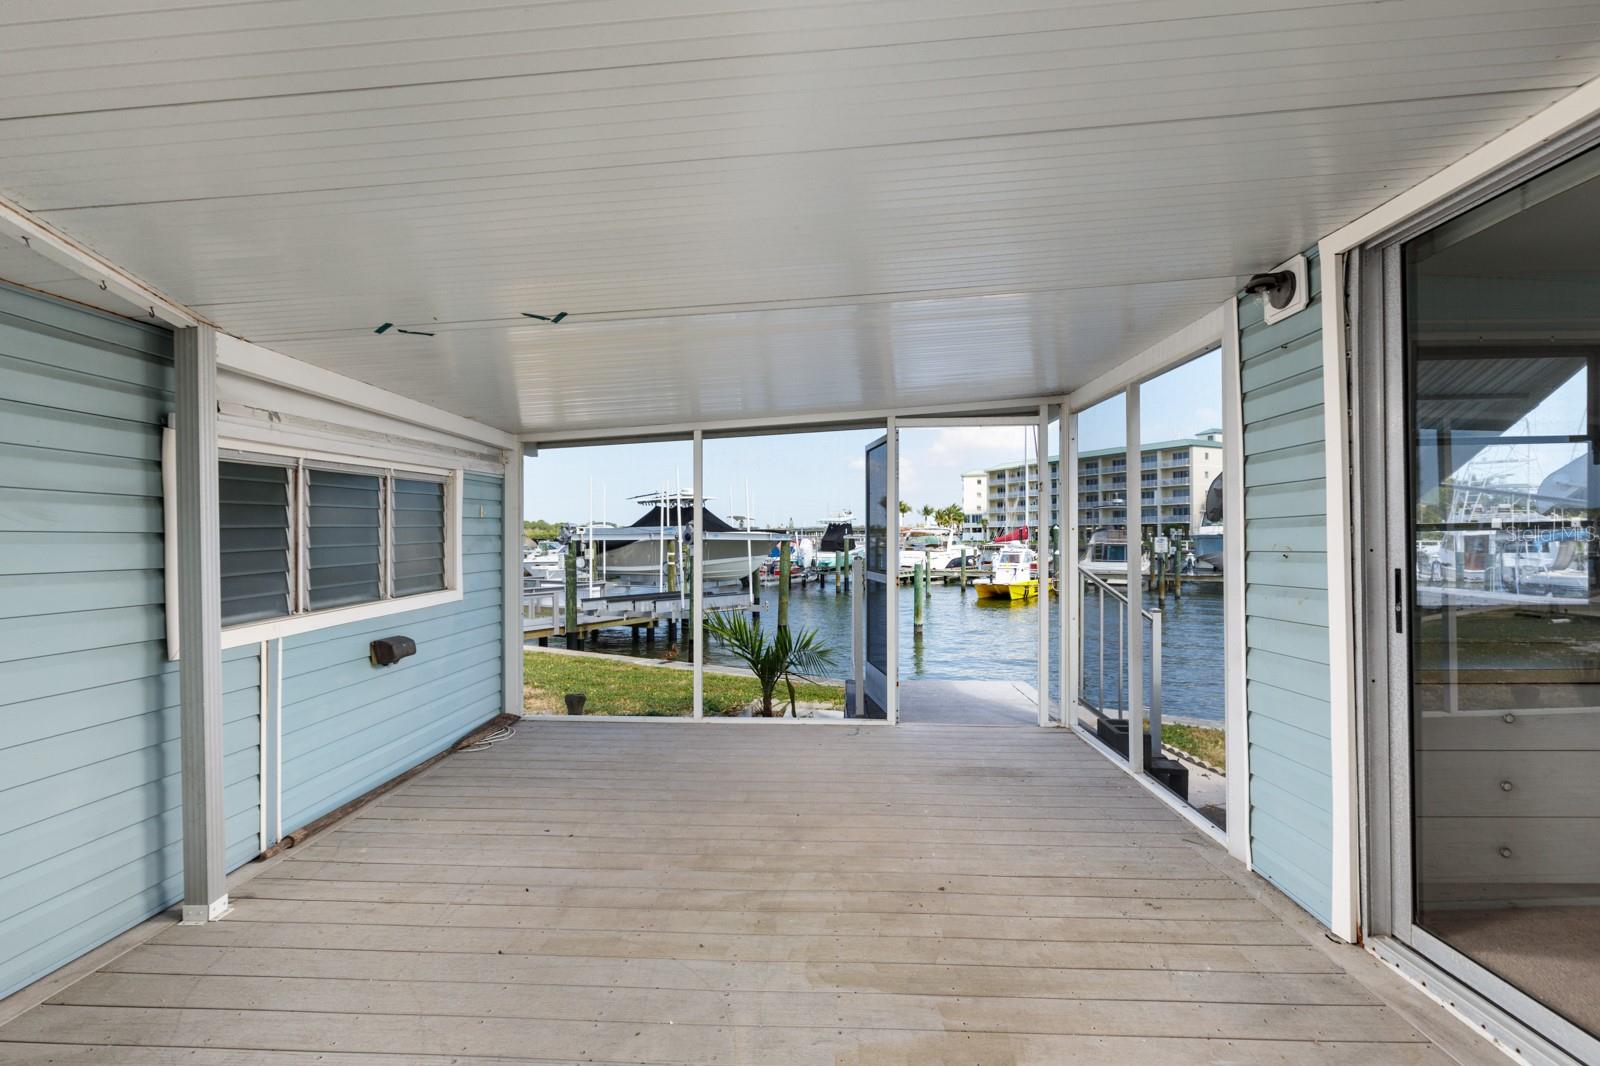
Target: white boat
x: 1208, y: 538
x: 1107, y: 557
x: 545, y: 562
x: 642, y: 553
x: 937, y: 546
x: 1208, y: 548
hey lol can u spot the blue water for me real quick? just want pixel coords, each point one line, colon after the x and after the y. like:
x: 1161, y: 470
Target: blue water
x: 1191, y: 654
x: 965, y: 638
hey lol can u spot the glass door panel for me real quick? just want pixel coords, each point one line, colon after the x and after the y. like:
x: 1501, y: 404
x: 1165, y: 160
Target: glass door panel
x: 1502, y: 325
x: 879, y: 582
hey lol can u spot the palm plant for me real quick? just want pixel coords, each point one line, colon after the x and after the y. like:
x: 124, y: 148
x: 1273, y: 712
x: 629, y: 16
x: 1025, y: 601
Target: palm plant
x: 785, y: 656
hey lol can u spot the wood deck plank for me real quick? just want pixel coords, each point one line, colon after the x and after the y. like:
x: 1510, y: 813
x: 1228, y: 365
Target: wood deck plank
x: 311, y: 865
x: 755, y: 900
x: 942, y: 927
x: 652, y: 893
x: 759, y: 1042
x: 714, y: 1007
x: 1174, y: 985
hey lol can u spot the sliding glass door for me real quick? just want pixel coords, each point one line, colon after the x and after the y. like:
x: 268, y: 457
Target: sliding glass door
x: 1496, y: 615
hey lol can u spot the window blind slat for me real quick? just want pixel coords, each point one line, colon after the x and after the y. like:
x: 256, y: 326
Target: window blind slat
x: 405, y: 553
x: 344, y: 531
x: 244, y: 563
x: 254, y: 536
x: 418, y: 537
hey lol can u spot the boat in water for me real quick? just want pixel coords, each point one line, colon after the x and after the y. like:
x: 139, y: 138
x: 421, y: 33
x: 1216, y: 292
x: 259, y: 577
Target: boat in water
x: 1208, y: 538
x: 545, y: 562
x: 839, y: 543
x: 937, y: 546
x: 1107, y: 557
x: 1014, y: 577
x: 643, y: 552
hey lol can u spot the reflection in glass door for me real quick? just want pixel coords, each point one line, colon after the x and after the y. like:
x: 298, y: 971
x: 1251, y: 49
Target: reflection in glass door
x: 877, y: 588
x: 1502, y: 330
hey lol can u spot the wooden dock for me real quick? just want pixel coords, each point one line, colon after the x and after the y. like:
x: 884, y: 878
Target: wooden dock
x: 544, y: 610
x: 946, y: 577
x: 748, y: 893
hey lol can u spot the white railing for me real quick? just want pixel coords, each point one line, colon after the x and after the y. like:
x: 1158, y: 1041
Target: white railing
x: 1096, y: 694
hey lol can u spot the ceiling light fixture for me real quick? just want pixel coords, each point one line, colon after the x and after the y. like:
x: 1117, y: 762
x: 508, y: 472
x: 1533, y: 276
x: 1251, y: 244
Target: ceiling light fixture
x: 1277, y: 286
x: 552, y: 319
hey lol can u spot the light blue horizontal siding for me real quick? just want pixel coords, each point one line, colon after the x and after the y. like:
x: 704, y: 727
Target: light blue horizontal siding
x: 1286, y: 600
x: 349, y: 726
x: 90, y: 815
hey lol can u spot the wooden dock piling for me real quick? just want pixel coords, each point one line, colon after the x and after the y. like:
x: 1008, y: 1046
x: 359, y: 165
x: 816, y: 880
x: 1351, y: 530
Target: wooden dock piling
x: 919, y: 596
x: 570, y: 617
x: 785, y: 565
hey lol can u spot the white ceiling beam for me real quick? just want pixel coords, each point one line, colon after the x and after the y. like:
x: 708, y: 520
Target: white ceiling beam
x: 1565, y: 115
x: 21, y: 226
x: 264, y: 364
x: 1013, y: 410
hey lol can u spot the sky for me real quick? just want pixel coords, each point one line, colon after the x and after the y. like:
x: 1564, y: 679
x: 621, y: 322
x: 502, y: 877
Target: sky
x: 804, y: 478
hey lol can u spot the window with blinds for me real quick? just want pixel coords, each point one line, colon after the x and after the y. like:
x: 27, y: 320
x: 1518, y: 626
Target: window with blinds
x: 344, y: 538
x: 254, y: 510
x: 297, y: 537
x: 418, y: 541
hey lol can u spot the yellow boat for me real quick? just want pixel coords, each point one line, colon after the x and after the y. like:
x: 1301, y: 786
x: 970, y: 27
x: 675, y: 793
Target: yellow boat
x: 1011, y: 579
x: 1007, y: 590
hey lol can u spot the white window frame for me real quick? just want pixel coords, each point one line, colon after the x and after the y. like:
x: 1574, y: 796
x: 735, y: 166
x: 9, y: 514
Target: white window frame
x: 1216, y: 330
x: 303, y: 620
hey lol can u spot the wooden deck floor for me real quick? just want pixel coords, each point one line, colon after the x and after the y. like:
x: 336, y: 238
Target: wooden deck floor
x: 763, y: 893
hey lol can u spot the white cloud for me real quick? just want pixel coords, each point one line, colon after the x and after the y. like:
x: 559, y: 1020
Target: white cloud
x: 933, y: 460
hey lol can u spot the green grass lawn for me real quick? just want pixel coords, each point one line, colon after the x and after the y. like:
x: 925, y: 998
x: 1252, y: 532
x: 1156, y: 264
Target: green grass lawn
x: 1202, y: 742
x: 621, y: 686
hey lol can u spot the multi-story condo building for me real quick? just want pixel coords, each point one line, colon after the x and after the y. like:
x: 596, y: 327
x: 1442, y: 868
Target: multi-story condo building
x: 1172, y: 482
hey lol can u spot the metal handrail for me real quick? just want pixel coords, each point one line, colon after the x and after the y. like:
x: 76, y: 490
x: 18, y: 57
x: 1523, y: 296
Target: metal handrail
x: 1120, y: 597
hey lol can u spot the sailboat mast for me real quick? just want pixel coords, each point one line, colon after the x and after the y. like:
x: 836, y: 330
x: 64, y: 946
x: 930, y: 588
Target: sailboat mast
x: 1025, y: 483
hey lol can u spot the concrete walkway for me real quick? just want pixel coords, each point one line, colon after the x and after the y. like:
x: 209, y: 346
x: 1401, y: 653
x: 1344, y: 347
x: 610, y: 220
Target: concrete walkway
x: 976, y: 703
x: 969, y: 703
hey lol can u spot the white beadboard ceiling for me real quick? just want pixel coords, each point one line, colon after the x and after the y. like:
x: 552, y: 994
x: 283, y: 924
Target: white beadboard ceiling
x: 749, y: 208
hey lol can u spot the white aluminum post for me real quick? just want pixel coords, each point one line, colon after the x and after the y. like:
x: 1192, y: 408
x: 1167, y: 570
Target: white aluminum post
x: 1343, y: 733
x: 1068, y: 594
x: 205, y: 890
x: 858, y: 629
x: 1134, y: 510
x: 511, y: 539
x: 1047, y: 503
x: 891, y: 587
x: 1236, y: 732
x: 698, y: 602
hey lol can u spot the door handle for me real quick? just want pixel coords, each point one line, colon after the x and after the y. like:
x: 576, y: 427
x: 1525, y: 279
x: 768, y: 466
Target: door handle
x: 1399, y: 600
